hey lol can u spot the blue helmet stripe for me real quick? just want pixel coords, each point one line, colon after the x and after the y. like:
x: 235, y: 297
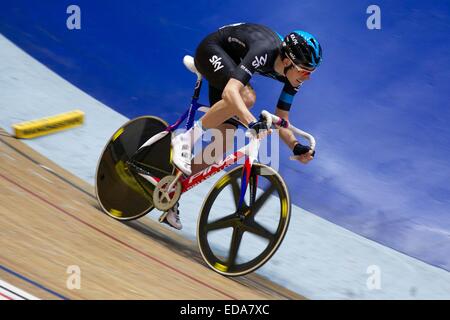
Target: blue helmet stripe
x: 281, y: 37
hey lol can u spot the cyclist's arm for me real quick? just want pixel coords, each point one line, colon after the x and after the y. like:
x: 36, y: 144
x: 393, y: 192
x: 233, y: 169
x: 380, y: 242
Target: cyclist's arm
x: 286, y: 135
x: 240, y: 77
x: 291, y: 141
x: 231, y: 95
x: 282, y: 110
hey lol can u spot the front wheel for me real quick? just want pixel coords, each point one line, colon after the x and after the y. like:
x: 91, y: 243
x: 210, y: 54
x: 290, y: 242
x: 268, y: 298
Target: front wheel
x: 235, y: 241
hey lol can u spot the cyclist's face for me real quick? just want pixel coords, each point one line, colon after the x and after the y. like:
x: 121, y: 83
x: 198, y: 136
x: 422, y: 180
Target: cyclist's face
x: 297, y: 75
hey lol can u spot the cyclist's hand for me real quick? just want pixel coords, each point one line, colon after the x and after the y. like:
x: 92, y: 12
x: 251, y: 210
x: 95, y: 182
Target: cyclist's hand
x: 307, y: 157
x: 259, y: 128
x: 304, y: 154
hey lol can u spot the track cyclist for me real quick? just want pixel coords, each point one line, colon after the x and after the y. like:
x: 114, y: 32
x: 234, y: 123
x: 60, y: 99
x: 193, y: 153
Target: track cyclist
x: 228, y: 58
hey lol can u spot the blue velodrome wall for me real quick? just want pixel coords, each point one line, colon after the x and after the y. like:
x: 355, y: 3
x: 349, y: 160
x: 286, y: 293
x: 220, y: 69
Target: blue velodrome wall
x: 379, y: 104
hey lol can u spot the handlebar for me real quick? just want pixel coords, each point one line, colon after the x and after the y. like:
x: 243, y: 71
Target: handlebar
x: 272, y: 119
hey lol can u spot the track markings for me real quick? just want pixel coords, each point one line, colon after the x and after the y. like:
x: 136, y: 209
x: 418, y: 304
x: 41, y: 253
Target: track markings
x: 5, y: 297
x: 39, y: 175
x: 10, y: 292
x: 34, y: 283
x: 8, y: 156
x: 164, y: 264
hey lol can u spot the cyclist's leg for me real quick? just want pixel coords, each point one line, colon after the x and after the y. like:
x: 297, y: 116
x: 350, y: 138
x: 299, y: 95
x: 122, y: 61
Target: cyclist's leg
x: 216, y: 66
x: 204, y: 158
x: 226, y: 130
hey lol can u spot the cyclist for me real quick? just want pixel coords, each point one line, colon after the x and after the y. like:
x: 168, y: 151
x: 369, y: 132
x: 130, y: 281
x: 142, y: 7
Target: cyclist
x: 228, y: 58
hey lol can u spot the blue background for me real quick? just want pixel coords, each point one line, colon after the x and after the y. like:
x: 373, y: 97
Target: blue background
x: 378, y: 105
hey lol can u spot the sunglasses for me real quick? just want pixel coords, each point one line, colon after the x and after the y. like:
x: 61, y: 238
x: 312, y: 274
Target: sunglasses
x: 300, y: 69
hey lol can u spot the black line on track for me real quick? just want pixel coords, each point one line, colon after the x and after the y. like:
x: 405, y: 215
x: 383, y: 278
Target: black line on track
x: 16, y: 294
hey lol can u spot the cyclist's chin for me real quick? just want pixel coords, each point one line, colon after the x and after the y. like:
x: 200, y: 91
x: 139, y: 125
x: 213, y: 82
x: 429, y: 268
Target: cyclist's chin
x: 294, y: 82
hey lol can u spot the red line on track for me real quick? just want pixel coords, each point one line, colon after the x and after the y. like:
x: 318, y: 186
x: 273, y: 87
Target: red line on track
x: 116, y: 239
x: 9, y: 298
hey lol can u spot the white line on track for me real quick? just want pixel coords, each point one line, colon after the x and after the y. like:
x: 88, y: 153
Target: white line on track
x: 7, y: 156
x: 14, y: 293
x: 46, y: 168
x: 39, y: 175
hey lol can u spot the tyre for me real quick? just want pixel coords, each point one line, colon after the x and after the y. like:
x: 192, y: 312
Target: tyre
x: 235, y: 241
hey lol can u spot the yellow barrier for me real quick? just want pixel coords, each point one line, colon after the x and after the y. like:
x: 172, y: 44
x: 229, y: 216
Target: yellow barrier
x: 44, y: 126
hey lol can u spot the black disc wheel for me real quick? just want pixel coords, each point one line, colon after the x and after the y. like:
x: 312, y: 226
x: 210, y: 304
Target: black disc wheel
x: 121, y: 191
x: 237, y: 240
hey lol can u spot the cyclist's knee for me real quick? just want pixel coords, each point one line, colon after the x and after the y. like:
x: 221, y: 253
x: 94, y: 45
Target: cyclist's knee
x: 248, y: 95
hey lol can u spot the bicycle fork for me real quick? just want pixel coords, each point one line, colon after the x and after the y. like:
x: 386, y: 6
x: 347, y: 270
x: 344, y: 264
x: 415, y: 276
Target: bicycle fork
x: 252, y: 150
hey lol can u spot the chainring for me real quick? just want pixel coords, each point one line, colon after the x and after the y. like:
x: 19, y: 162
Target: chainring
x: 164, y: 199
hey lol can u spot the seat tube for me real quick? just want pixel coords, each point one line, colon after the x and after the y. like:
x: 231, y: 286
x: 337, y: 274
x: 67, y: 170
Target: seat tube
x: 192, y: 110
x: 194, y: 104
x: 198, y: 88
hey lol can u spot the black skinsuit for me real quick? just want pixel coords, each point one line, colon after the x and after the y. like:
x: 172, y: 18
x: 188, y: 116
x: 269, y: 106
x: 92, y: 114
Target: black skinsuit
x: 238, y: 51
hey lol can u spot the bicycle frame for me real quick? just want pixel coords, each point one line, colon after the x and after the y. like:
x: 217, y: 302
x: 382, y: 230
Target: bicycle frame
x: 250, y: 150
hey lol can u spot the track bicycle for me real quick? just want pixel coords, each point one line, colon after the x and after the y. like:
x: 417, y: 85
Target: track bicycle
x: 248, y: 206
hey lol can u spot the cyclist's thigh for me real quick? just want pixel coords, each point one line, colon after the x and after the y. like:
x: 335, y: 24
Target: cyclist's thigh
x: 214, y: 63
x: 215, y: 95
x: 248, y: 95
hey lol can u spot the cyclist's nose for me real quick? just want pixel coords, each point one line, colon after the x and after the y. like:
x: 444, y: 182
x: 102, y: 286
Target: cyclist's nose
x: 305, y: 75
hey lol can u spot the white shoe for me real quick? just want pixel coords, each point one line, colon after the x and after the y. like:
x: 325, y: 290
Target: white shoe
x: 182, y: 152
x: 172, y: 218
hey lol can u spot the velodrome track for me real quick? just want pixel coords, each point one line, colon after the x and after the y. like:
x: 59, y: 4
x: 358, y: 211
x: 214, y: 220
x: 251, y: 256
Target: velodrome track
x: 317, y: 259
x: 50, y: 220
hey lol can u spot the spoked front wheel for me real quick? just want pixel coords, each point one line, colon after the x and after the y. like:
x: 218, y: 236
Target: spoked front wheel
x: 235, y: 241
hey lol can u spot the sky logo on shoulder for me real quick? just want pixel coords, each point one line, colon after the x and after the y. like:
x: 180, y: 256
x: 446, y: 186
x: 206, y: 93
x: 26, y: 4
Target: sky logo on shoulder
x: 259, y: 61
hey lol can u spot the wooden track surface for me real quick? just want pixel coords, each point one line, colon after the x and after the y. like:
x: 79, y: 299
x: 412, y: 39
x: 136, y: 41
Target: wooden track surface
x: 50, y: 220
